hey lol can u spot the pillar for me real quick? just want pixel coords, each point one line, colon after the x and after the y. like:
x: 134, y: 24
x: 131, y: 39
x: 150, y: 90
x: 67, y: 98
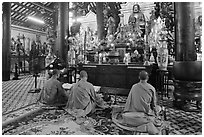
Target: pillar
x: 184, y: 31
x: 6, y: 41
x: 55, y: 24
x: 63, y: 30
x: 100, y: 20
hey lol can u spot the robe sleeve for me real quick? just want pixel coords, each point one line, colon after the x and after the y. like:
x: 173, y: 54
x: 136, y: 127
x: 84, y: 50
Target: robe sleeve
x: 60, y: 89
x: 154, y: 98
x: 129, y: 100
x: 92, y: 91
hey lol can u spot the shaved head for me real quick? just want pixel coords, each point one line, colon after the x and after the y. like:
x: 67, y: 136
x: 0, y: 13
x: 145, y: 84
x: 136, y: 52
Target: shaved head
x: 143, y: 75
x: 83, y: 74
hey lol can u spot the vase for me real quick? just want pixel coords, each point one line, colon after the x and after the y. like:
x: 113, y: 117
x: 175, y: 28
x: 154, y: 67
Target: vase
x: 162, y: 56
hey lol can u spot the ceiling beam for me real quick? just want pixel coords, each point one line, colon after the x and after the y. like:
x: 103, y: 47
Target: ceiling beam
x: 33, y: 9
x: 42, y: 6
x: 25, y: 22
x: 26, y: 14
x: 20, y: 21
x: 20, y: 13
x: 45, y: 19
x: 19, y: 4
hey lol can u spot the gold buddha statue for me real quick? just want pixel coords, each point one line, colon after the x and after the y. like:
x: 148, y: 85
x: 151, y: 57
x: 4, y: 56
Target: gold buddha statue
x: 137, y: 19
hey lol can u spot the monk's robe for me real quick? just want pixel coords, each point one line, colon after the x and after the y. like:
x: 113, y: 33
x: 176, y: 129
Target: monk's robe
x: 142, y: 98
x: 138, y: 111
x: 82, y: 96
x: 53, y: 93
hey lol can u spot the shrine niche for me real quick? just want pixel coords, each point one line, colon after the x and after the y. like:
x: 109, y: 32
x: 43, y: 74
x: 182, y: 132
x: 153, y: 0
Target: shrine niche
x: 89, y: 21
x: 198, y: 9
x: 87, y: 32
x: 84, y: 39
x: 127, y: 9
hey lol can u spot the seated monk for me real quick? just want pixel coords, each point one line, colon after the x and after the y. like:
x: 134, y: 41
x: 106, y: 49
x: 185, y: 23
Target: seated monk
x: 140, y: 108
x: 82, y: 96
x: 53, y: 93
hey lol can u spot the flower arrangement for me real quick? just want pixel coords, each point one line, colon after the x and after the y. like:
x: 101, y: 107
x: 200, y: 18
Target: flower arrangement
x: 158, y: 34
x: 158, y: 39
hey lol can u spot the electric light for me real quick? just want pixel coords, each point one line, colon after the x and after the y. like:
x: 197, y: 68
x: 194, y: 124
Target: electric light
x: 70, y: 5
x: 70, y: 14
x: 79, y: 19
x: 36, y: 19
x: 128, y: 44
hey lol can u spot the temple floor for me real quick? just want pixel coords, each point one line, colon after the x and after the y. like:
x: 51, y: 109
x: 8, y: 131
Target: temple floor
x: 22, y: 115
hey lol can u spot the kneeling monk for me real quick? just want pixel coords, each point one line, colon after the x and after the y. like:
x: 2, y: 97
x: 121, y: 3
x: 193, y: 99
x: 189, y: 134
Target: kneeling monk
x: 83, y: 96
x: 141, y: 109
x: 53, y: 93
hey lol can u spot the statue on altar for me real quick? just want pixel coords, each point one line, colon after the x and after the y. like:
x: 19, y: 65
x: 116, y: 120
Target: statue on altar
x: 198, y: 27
x: 137, y: 19
x: 19, y: 47
x: 111, y: 25
x: 13, y: 47
x: 198, y: 35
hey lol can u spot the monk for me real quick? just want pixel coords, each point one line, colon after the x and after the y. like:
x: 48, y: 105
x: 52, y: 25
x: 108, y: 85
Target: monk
x: 83, y: 96
x: 141, y: 109
x: 53, y: 93
x: 142, y: 97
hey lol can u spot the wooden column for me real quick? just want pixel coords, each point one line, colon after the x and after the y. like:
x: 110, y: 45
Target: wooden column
x: 63, y: 30
x: 100, y: 20
x: 185, y: 31
x: 55, y: 24
x: 115, y: 14
x: 6, y: 41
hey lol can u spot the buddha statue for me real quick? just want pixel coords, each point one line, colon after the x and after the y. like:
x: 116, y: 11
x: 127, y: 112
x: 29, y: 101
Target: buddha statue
x: 111, y: 25
x: 137, y: 19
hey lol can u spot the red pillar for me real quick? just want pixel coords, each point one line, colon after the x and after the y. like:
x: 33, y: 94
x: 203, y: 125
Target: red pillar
x: 100, y: 20
x: 185, y: 31
x: 6, y: 41
x: 63, y: 30
x: 55, y: 24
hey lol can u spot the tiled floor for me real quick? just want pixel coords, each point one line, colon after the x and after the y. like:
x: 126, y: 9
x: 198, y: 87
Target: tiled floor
x: 183, y: 123
x: 15, y: 96
x: 15, y: 93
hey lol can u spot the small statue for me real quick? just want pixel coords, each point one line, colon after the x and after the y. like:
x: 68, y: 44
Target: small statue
x: 198, y: 26
x: 49, y: 59
x: 13, y: 46
x: 51, y: 56
x: 119, y: 34
x: 127, y: 58
x: 137, y: 19
x: 100, y: 58
x: 19, y: 47
x: 111, y: 25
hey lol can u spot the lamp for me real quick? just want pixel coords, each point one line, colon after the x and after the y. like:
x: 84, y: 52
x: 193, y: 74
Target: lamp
x: 71, y: 14
x: 36, y: 19
x: 79, y: 19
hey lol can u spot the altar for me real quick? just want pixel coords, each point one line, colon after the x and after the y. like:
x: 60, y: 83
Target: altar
x: 117, y: 76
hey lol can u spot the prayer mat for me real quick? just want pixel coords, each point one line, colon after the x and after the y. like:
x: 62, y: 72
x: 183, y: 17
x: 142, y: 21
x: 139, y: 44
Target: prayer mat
x: 50, y: 122
x: 181, y: 122
x: 59, y: 122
